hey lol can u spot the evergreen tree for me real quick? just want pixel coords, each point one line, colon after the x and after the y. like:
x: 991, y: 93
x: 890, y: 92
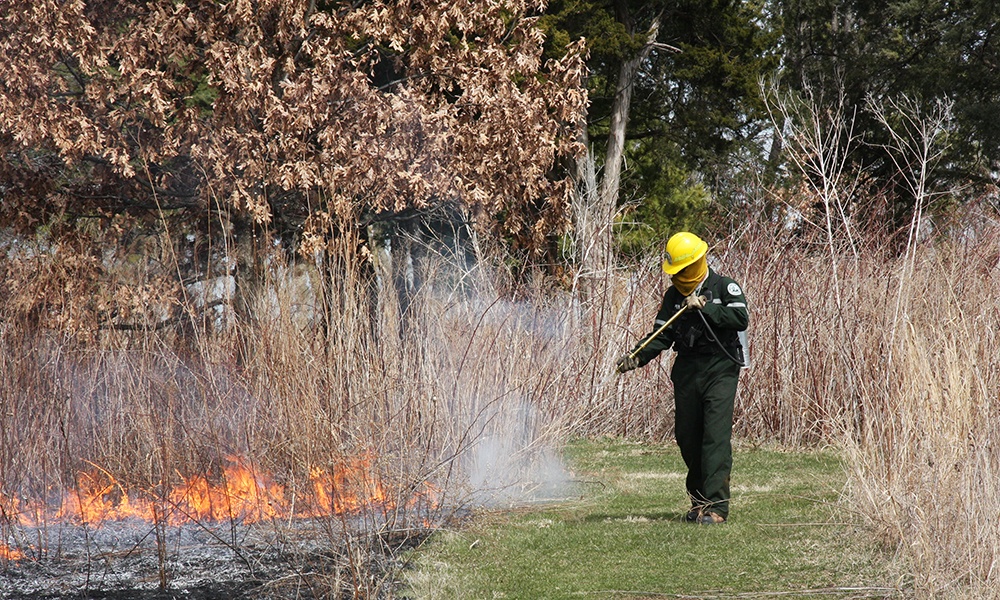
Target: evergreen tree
x: 695, y: 102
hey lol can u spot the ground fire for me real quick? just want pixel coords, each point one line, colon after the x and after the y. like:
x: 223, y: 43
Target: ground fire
x: 241, y: 494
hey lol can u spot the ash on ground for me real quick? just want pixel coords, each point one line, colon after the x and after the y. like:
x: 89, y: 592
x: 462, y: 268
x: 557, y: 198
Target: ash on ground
x: 308, y: 558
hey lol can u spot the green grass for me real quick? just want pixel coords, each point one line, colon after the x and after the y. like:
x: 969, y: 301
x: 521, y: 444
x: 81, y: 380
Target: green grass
x: 623, y: 535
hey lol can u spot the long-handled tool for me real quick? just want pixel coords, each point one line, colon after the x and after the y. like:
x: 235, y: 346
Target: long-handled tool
x: 657, y: 333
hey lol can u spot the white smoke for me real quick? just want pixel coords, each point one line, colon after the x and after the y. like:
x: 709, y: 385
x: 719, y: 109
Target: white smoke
x: 514, y: 460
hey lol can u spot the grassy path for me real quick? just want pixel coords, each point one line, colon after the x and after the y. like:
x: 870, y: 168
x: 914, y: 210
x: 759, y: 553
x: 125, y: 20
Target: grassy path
x: 623, y: 536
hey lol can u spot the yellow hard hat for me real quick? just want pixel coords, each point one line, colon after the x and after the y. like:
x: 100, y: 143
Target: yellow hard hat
x: 683, y: 249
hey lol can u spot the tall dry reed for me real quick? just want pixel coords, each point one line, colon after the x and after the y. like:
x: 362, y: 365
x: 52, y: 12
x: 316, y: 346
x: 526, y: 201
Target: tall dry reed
x: 888, y: 354
x: 925, y: 462
x: 470, y: 390
x: 899, y: 367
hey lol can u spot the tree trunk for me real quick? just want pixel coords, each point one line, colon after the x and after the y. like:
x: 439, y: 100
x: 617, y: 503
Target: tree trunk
x: 597, y: 204
x: 619, y: 117
x: 248, y: 274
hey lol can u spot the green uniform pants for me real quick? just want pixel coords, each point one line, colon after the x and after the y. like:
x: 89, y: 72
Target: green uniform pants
x: 704, y: 392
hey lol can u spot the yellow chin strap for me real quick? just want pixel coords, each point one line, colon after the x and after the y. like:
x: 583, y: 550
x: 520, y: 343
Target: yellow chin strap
x: 687, y: 279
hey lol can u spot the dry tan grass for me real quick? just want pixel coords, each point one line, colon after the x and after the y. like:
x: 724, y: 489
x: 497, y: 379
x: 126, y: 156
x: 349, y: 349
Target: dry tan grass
x: 893, y: 358
x: 899, y: 367
x: 895, y: 361
x: 924, y: 462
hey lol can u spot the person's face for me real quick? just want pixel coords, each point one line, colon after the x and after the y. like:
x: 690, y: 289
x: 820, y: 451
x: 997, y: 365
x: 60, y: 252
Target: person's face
x: 686, y: 272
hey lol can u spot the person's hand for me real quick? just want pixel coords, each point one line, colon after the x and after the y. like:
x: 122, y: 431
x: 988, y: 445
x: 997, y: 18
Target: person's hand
x: 695, y: 302
x: 627, y: 363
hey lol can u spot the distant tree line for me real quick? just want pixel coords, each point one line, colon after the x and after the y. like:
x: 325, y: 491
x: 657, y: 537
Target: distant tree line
x: 311, y: 122
x: 699, y: 135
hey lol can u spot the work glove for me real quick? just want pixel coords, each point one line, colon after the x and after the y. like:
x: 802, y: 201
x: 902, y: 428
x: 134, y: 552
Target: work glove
x: 627, y: 363
x: 695, y: 302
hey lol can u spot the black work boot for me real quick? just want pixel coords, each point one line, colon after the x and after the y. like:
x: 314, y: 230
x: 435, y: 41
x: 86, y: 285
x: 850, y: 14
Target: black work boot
x: 711, y: 518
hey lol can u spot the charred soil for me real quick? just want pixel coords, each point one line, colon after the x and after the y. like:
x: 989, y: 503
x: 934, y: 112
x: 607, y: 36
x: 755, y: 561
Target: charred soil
x: 122, y: 561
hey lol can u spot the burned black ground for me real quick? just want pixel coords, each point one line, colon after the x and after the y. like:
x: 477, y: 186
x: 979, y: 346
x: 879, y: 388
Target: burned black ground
x: 124, y: 561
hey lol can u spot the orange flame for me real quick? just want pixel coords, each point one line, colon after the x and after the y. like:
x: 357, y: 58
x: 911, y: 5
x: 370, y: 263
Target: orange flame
x: 348, y: 488
x: 96, y: 500
x: 8, y: 553
x: 243, y: 494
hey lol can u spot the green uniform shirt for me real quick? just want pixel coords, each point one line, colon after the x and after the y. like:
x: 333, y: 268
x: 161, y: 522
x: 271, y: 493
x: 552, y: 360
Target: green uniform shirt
x: 726, y: 313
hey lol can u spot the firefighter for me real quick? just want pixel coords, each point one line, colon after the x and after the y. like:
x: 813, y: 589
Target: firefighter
x: 706, y: 337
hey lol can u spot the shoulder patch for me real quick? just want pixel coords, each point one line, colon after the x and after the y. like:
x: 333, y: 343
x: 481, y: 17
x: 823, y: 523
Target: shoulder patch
x: 734, y: 289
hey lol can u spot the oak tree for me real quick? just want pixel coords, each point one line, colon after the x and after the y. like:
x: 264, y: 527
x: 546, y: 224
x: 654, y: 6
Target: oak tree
x: 307, y: 119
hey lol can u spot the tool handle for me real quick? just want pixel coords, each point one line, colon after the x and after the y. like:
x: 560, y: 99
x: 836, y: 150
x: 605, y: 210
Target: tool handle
x: 657, y: 333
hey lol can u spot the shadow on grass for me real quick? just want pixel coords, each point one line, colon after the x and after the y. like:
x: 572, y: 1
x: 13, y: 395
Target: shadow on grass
x: 638, y: 516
